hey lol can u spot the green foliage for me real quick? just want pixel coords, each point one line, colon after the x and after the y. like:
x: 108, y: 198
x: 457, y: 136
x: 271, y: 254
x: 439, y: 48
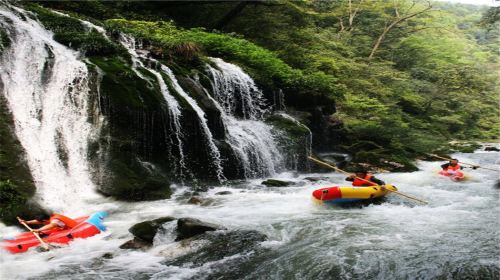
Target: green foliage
x: 10, y: 199
x: 72, y: 33
x: 259, y: 62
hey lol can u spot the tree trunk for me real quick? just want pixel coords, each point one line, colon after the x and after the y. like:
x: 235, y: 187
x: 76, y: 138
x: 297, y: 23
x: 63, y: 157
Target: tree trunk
x: 395, y: 22
x: 231, y: 15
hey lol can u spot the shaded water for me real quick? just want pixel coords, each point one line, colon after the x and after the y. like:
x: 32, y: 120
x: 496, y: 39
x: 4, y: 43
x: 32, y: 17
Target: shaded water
x: 453, y: 237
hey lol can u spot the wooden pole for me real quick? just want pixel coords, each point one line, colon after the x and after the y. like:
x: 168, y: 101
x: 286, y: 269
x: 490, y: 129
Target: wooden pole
x: 473, y: 165
x: 44, y: 245
x: 340, y: 170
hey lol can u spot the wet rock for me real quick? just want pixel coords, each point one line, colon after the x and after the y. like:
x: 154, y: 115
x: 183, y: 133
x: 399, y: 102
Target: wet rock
x: 276, y: 183
x: 295, y: 139
x: 316, y: 179
x: 497, y: 184
x: 237, y: 248
x: 223, y: 193
x: 107, y: 256
x: 136, y: 244
x: 16, y: 182
x: 491, y: 149
x: 222, y: 245
x: 195, y: 200
x: 146, y: 231
x: 189, y: 227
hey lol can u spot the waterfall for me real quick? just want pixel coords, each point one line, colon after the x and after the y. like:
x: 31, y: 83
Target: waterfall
x: 174, y: 111
x: 252, y: 140
x: 173, y: 105
x: 214, y: 151
x: 47, y: 91
x: 236, y: 91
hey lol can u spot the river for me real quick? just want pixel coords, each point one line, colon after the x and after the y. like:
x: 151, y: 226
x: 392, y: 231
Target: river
x: 455, y: 236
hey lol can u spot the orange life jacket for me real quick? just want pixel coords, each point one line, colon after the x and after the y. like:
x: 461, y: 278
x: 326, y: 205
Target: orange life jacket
x: 454, y: 168
x: 359, y: 183
x: 70, y: 223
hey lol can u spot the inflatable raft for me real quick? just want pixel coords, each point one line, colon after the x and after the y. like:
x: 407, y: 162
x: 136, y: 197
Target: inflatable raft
x: 87, y: 226
x: 455, y: 176
x: 347, y: 195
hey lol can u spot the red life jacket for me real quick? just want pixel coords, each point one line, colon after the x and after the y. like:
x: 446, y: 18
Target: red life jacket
x: 454, y: 168
x: 70, y: 223
x: 360, y: 183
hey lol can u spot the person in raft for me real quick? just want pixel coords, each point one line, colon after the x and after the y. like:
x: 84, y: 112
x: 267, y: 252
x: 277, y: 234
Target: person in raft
x: 55, y: 221
x: 354, y: 178
x: 452, y: 166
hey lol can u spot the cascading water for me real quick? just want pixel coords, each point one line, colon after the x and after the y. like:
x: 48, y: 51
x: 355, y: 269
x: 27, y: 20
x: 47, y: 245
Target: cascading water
x: 236, y: 91
x: 251, y: 139
x: 47, y: 91
x: 216, y: 158
x: 173, y: 106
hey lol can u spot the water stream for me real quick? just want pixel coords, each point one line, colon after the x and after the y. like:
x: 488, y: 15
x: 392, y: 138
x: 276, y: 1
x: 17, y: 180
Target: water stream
x: 454, y: 236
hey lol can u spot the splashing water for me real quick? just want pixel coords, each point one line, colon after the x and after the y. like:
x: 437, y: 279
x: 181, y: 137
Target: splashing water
x: 235, y: 90
x: 47, y: 91
x: 252, y: 140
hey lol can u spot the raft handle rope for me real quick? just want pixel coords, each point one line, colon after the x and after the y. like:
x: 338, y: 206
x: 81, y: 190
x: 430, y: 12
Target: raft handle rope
x: 340, y: 170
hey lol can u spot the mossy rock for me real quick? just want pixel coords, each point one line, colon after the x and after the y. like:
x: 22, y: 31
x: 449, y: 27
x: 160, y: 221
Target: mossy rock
x: 131, y: 181
x: 73, y: 33
x: 123, y: 89
x: 292, y: 127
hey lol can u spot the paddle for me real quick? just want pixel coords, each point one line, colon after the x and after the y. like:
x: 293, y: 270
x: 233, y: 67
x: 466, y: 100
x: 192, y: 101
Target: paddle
x: 473, y: 165
x: 340, y: 170
x: 45, y: 246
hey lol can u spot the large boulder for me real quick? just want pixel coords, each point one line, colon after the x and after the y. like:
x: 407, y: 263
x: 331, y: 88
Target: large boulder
x: 189, y: 227
x: 276, y: 183
x: 146, y: 230
x: 144, y: 233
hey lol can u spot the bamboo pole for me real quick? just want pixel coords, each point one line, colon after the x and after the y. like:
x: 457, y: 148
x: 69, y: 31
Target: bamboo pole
x: 340, y: 170
x: 44, y: 245
x: 473, y: 165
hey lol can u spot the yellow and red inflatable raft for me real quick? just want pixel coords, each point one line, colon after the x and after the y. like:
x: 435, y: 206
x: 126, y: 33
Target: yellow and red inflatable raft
x: 339, y: 195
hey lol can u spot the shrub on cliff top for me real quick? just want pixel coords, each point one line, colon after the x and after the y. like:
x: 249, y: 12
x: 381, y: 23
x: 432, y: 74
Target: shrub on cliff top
x: 261, y: 64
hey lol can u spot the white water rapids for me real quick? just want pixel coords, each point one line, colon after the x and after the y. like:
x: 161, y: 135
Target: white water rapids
x: 455, y: 234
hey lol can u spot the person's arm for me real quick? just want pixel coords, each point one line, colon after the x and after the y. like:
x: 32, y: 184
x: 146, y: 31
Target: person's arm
x: 32, y: 222
x: 377, y: 181
x: 350, y: 178
x: 46, y: 227
x: 444, y: 166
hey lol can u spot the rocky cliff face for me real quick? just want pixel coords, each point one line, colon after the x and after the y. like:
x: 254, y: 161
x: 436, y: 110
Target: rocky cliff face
x: 145, y: 121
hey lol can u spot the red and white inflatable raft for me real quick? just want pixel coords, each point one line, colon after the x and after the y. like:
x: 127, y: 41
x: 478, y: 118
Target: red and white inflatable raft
x: 87, y: 226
